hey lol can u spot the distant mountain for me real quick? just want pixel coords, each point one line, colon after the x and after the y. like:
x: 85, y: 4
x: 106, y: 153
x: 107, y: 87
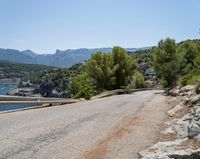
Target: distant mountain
x: 60, y: 58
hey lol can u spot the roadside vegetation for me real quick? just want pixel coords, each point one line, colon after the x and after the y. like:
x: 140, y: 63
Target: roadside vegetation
x: 177, y: 64
x: 169, y: 64
x: 197, y: 88
x: 102, y: 72
x: 106, y: 72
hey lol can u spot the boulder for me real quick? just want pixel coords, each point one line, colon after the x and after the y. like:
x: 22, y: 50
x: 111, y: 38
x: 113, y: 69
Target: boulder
x: 169, y: 150
x: 195, y: 99
x: 175, y: 110
x: 179, y: 127
x: 160, y: 150
x: 185, y: 154
x: 194, y: 123
x: 184, y: 94
x: 187, y: 88
x: 193, y: 129
x: 186, y: 101
x: 174, y: 92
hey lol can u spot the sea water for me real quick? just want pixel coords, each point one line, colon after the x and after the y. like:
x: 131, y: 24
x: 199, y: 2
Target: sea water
x: 4, y: 89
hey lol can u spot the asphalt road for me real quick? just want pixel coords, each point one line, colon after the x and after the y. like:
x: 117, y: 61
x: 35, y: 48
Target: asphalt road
x: 113, y: 127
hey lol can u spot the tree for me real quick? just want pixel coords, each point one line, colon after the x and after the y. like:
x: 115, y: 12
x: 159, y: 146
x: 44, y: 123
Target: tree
x: 81, y: 87
x: 125, y: 66
x: 105, y: 72
x: 101, y: 69
x: 165, y: 62
x: 197, y: 58
x: 111, y: 70
x: 187, y: 53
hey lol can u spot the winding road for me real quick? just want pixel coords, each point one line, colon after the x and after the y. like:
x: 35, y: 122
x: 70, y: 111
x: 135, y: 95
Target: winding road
x: 109, y: 128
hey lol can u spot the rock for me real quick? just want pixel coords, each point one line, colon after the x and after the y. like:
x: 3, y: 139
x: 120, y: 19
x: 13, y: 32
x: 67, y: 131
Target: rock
x: 195, y: 99
x: 181, y: 129
x: 168, y: 131
x: 197, y: 111
x: 161, y: 150
x: 197, y: 137
x: 169, y: 150
x: 193, y: 129
x: 185, y: 154
x: 187, y: 126
x: 175, y: 110
x: 174, y: 92
x: 184, y: 94
x: 187, y: 88
x: 194, y: 122
x: 178, y: 127
x: 187, y: 117
x: 186, y: 101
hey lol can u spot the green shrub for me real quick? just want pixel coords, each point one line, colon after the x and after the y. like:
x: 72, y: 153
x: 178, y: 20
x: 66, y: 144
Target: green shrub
x: 191, y: 78
x: 163, y: 83
x: 197, y: 88
x: 81, y: 87
x: 137, y: 81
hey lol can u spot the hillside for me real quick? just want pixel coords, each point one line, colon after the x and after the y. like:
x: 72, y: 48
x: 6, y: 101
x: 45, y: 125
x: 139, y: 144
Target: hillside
x: 60, y: 58
x: 10, y: 69
x: 54, y: 82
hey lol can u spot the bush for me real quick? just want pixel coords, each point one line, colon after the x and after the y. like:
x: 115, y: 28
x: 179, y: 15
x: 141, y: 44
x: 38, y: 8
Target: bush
x: 197, y: 88
x: 191, y: 78
x: 137, y: 81
x: 163, y: 83
x: 81, y: 87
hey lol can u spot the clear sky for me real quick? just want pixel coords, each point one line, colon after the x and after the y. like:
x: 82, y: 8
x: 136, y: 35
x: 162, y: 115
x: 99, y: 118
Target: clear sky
x: 46, y: 25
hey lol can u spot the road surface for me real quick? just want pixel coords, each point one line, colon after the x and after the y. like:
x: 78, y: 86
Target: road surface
x: 109, y: 128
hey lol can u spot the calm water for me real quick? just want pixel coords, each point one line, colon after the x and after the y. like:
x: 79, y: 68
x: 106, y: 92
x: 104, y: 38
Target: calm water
x: 4, y: 89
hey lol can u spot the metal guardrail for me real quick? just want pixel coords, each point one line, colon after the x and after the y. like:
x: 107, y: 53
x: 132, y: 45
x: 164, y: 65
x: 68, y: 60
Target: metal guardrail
x: 11, y: 100
x: 20, y: 98
x: 122, y: 91
x: 38, y: 102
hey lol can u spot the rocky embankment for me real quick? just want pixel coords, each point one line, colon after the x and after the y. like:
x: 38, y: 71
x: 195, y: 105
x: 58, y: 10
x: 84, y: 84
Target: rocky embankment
x: 181, y: 137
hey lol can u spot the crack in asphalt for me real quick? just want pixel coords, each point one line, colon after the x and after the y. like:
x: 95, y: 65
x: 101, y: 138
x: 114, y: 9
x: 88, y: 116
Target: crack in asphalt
x: 37, y: 143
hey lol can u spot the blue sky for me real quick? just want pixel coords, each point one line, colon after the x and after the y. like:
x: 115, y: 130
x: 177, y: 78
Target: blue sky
x: 46, y: 25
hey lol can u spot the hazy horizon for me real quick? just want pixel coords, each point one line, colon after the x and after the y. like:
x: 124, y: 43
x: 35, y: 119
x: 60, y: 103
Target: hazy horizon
x: 72, y: 49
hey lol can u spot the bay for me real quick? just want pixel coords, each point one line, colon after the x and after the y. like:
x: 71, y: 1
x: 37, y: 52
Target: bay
x: 4, y: 89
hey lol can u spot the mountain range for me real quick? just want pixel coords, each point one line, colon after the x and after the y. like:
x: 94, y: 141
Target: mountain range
x: 61, y: 58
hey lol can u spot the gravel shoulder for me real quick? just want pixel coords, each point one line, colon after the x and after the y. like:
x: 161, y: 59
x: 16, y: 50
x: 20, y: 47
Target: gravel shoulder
x: 112, y: 127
